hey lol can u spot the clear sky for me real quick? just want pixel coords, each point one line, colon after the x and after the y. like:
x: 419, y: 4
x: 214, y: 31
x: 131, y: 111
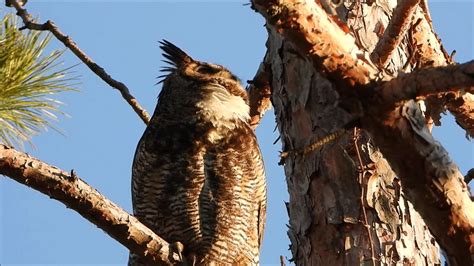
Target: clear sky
x: 102, y: 131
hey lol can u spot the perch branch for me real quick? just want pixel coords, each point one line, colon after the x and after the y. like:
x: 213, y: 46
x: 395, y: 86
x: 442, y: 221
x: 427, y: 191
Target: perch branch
x: 428, y: 81
x: 395, y: 32
x: 69, y: 43
x: 431, y: 181
x: 332, y: 50
x: 259, y: 92
x: 89, y: 203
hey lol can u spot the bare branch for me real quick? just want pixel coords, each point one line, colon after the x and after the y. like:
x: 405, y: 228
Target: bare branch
x: 282, y: 261
x: 320, y: 37
x: 89, y: 203
x: 431, y: 181
x: 259, y: 92
x: 425, y: 82
x: 396, y: 30
x: 69, y: 43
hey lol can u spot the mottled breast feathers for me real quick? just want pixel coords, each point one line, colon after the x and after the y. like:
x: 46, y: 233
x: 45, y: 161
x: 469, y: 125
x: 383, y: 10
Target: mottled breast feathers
x: 198, y: 174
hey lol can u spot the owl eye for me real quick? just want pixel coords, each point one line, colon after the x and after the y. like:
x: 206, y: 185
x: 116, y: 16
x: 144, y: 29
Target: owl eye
x: 204, y: 69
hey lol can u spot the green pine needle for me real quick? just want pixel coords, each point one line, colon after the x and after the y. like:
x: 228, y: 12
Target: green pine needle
x: 28, y: 80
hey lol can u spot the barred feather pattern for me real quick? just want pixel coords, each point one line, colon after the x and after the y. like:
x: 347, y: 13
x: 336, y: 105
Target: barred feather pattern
x: 234, y: 200
x: 198, y: 174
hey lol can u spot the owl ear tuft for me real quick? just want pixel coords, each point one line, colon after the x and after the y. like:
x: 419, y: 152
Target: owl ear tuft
x: 174, y: 54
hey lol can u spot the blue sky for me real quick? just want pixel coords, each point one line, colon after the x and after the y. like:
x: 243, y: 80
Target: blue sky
x: 102, y: 132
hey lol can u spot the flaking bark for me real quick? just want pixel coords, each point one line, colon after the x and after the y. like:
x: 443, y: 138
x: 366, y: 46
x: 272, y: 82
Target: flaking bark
x: 328, y: 219
x: 461, y: 105
x: 327, y: 222
x: 431, y: 181
x: 396, y: 30
x: 259, y: 92
x: 420, y: 84
x: 428, y: 51
x: 320, y: 38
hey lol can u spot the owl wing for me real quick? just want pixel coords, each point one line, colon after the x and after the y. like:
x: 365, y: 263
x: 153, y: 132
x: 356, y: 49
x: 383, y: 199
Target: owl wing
x: 145, y: 186
x: 149, y: 180
x: 255, y: 171
x: 235, y: 194
x: 167, y: 177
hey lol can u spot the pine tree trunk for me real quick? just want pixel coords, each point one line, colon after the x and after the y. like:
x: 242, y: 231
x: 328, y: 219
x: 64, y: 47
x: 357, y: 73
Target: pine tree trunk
x: 346, y: 205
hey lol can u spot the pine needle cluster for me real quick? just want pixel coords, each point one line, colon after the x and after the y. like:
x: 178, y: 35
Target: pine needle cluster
x: 28, y: 82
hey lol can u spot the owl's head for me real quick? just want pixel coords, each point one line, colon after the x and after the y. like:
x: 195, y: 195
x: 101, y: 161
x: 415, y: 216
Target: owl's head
x: 221, y: 95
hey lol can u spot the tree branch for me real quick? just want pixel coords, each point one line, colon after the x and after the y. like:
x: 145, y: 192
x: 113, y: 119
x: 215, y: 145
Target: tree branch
x: 395, y: 32
x: 69, y: 43
x: 428, y: 81
x: 259, y: 92
x: 89, y: 203
x: 430, y: 52
x: 320, y: 37
x: 431, y: 181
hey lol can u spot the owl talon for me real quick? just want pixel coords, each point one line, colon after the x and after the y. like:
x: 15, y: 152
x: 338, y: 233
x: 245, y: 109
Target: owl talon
x: 176, y: 252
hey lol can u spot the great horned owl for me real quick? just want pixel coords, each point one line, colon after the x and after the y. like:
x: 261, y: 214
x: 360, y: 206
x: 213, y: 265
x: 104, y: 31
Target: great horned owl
x: 198, y: 175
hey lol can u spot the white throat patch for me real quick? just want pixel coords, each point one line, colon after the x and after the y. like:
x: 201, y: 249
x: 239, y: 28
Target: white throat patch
x: 223, y: 109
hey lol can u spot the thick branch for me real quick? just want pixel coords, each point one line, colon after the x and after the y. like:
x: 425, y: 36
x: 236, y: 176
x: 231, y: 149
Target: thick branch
x: 452, y: 86
x: 259, y: 91
x: 431, y: 181
x: 395, y: 32
x: 69, y: 43
x: 88, y: 202
x: 426, y: 82
x: 320, y: 37
x: 430, y: 52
